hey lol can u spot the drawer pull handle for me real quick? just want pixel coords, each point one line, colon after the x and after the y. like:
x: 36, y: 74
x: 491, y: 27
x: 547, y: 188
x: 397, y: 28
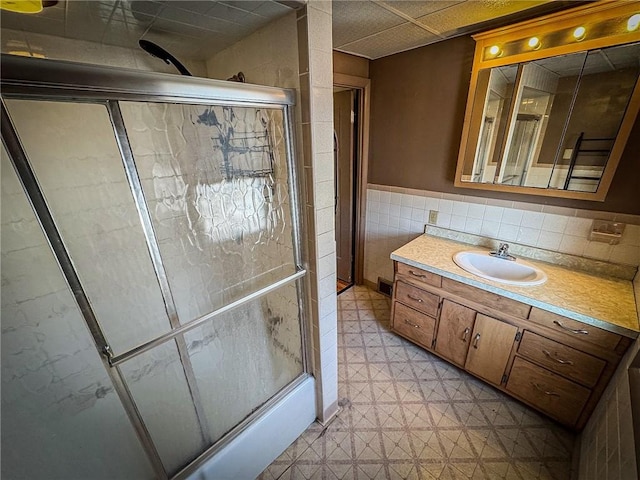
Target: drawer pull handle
x: 539, y: 387
x: 559, y: 360
x: 465, y: 333
x: 476, y: 339
x: 411, y: 324
x: 415, y: 299
x: 581, y: 332
x: 419, y: 275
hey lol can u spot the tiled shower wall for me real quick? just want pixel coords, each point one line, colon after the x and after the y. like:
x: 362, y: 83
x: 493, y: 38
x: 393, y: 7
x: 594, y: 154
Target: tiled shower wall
x: 397, y: 215
x: 58, y: 48
x: 316, y: 93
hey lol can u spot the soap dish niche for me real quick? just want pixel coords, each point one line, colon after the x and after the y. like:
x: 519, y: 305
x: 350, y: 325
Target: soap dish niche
x: 606, y: 231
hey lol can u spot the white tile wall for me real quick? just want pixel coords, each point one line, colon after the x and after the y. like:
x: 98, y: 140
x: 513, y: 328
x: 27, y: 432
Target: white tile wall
x: 316, y: 83
x: 395, y: 217
x: 59, y: 48
x: 269, y: 56
x: 607, y: 443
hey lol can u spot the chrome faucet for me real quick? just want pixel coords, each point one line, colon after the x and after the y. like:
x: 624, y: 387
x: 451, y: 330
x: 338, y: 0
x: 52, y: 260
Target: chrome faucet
x: 503, y: 252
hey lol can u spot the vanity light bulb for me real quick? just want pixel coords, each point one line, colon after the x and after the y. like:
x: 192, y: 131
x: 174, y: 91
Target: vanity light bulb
x: 534, y: 42
x: 494, y: 50
x: 633, y: 22
x: 579, y: 33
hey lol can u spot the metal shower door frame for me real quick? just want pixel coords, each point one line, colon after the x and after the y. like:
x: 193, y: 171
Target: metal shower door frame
x: 36, y: 79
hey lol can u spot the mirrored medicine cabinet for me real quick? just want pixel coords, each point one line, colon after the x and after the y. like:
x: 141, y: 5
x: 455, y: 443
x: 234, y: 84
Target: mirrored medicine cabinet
x: 552, y: 102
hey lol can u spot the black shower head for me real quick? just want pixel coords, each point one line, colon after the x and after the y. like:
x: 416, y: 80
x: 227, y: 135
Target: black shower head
x: 162, y: 54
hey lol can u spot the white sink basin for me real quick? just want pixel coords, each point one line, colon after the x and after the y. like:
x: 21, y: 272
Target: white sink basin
x: 512, y: 272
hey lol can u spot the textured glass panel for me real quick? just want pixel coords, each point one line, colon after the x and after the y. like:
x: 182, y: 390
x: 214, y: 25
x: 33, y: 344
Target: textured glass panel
x: 61, y: 417
x: 215, y: 179
x: 244, y: 357
x: 73, y: 152
x: 157, y: 382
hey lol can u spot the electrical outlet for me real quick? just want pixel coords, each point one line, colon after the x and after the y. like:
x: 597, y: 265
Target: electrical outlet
x: 433, y: 217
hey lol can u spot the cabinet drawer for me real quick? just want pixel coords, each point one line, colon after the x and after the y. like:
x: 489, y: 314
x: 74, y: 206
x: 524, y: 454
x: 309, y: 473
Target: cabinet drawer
x: 551, y: 393
x: 413, y: 324
x: 500, y: 303
x: 568, y: 362
x: 419, y: 299
x: 569, y: 328
x: 420, y: 275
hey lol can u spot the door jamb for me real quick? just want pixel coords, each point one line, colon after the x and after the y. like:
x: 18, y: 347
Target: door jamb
x: 362, y: 167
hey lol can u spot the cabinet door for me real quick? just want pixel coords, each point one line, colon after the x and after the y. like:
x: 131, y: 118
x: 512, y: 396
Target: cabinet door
x: 454, y: 332
x: 491, y: 345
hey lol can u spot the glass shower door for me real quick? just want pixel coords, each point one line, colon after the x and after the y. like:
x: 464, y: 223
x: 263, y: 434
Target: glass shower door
x: 179, y: 223
x: 61, y: 417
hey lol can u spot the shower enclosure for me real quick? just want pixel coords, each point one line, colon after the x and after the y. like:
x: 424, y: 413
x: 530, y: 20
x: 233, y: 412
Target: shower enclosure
x: 153, y: 297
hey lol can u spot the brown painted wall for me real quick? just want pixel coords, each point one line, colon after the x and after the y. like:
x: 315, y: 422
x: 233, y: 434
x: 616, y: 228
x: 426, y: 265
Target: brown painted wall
x: 350, y: 65
x: 417, y: 110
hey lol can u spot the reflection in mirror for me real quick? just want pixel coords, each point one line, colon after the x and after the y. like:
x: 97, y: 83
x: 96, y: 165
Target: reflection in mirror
x: 550, y: 123
x: 561, y: 75
x: 527, y: 129
x: 605, y: 87
x: 499, y: 87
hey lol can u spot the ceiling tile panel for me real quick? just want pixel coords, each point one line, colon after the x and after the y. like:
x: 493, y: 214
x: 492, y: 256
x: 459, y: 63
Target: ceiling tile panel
x: 420, y: 9
x: 170, y: 15
x: 246, y: 5
x: 236, y: 15
x: 146, y: 7
x: 199, y: 6
x: 453, y: 18
x: 397, y: 39
x: 272, y: 10
x: 353, y: 20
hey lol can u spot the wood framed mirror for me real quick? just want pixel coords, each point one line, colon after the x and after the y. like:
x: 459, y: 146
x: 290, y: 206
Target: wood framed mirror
x: 552, y: 102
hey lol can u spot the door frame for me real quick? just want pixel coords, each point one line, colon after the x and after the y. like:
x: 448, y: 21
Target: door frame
x: 362, y: 167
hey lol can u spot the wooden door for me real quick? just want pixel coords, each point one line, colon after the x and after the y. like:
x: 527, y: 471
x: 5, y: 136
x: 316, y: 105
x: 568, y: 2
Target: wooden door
x: 454, y: 332
x: 343, y: 156
x: 491, y: 344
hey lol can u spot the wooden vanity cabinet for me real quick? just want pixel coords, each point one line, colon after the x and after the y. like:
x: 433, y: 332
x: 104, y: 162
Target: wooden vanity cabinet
x: 554, y: 364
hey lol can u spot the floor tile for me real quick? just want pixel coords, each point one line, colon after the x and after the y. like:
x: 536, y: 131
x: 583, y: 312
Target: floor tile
x: 407, y: 414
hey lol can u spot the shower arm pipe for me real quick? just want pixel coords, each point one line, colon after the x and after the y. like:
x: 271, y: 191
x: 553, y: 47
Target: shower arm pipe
x: 145, y: 347
x: 157, y: 51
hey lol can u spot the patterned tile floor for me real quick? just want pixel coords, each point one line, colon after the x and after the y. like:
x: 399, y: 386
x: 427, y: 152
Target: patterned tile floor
x: 406, y: 414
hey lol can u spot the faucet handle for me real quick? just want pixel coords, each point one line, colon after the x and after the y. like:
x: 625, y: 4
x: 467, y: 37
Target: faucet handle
x: 502, y: 252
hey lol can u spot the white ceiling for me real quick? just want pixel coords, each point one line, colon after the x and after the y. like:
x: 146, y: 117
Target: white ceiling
x: 196, y: 30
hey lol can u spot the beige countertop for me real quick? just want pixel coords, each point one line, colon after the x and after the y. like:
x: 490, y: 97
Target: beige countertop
x: 604, y: 302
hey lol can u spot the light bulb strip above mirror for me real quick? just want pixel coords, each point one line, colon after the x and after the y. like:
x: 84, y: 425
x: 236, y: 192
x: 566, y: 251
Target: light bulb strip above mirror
x: 533, y: 89
x: 583, y: 28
